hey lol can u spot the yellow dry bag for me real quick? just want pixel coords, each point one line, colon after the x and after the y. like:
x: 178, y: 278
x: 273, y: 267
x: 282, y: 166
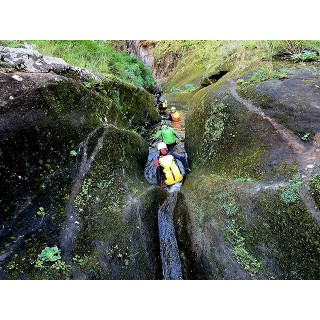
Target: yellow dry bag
x: 170, y: 169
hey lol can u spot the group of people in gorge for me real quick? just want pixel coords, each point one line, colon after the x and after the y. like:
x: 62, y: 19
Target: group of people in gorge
x: 167, y: 170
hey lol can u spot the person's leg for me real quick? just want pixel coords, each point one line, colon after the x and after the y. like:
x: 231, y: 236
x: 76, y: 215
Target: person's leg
x: 171, y: 146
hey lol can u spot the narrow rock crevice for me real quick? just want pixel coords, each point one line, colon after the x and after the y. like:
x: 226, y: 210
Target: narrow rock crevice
x: 169, y: 252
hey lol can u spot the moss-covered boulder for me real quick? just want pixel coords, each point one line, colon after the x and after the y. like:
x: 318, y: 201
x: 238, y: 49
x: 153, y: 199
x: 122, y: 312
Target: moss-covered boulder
x: 61, y: 136
x: 252, y: 162
x: 293, y: 99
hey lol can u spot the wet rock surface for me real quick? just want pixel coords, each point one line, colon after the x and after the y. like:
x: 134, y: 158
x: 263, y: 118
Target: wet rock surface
x: 46, y: 115
x: 293, y: 101
x: 252, y: 166
x: 248, y: 210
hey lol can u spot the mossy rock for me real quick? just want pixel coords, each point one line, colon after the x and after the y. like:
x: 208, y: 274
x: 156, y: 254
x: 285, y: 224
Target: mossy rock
x: 46, y: 119
x: 293, y: 101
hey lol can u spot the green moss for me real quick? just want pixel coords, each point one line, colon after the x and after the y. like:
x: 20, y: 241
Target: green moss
x: 218, y: 209
x: 270, y: 238
x: 245, y: 259
x: 314, y: 185
x: 217, y: 136
x: 118, y: 169
x: 198, y: 58
x: 291, y: 237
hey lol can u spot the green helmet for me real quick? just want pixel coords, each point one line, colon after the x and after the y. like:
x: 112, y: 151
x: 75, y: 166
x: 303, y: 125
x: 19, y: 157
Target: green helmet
x: 173, y: 109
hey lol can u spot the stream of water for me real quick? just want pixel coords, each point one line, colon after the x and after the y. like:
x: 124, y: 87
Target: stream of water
x: 169, y: 252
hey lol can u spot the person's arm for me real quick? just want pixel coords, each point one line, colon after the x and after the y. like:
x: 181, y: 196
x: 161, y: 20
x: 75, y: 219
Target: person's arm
x: 177, y: 136
x: 181, y: 158
x: 156, y: 137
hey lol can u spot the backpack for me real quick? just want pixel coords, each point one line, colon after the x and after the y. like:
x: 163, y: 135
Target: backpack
x: 164, y: 103
x: 175, y: 116
x: 170, y: 169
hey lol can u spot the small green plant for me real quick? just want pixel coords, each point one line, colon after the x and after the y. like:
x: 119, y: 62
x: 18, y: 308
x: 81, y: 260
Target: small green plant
x: 279, y: 74
x: 50, y: 254
x: 87, y: 84
x: 61, y: 265
x: 265, y: 73
x: 83, y: 196
x: 315, y: 188
x: 78, y: 260
x: 189, y: 87
x: 73, y: 153
x: 290, y: 194
x: 121, y: 254
x: 173, y: 89
x: 41, y: 212
x: 243, y: 256
x: 40, y: 264
x: 306, y: 136
x: 12, y: 265
x: 240, y: 81
x: 304, y: 56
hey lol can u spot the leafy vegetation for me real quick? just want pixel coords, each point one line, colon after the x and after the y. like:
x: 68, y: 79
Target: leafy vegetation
x: 305, y: 137
x: 79, y: 260
x: 305, y: 56
x: 173, y: 89
x: 41, y: 212
x: 227, y: 204
x: 199, y: 57
x: 315, y: 188
x: 73, y: 153
x: 290, y: 194
x: 96, y: 55
x: 83, y: 196
x: 264, y: 74
x: 50, y: 254
x: 187, y: 88
x: 243, y: 256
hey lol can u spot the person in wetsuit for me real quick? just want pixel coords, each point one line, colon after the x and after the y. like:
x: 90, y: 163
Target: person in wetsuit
x: 168, y: 136
x: 174, y: 115
x: 167, y: 171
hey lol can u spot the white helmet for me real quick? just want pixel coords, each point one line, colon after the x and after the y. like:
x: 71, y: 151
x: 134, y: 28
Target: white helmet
x: 161, y: 145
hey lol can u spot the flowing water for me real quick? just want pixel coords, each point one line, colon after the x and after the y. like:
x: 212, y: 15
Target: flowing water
x: 169, y: 252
